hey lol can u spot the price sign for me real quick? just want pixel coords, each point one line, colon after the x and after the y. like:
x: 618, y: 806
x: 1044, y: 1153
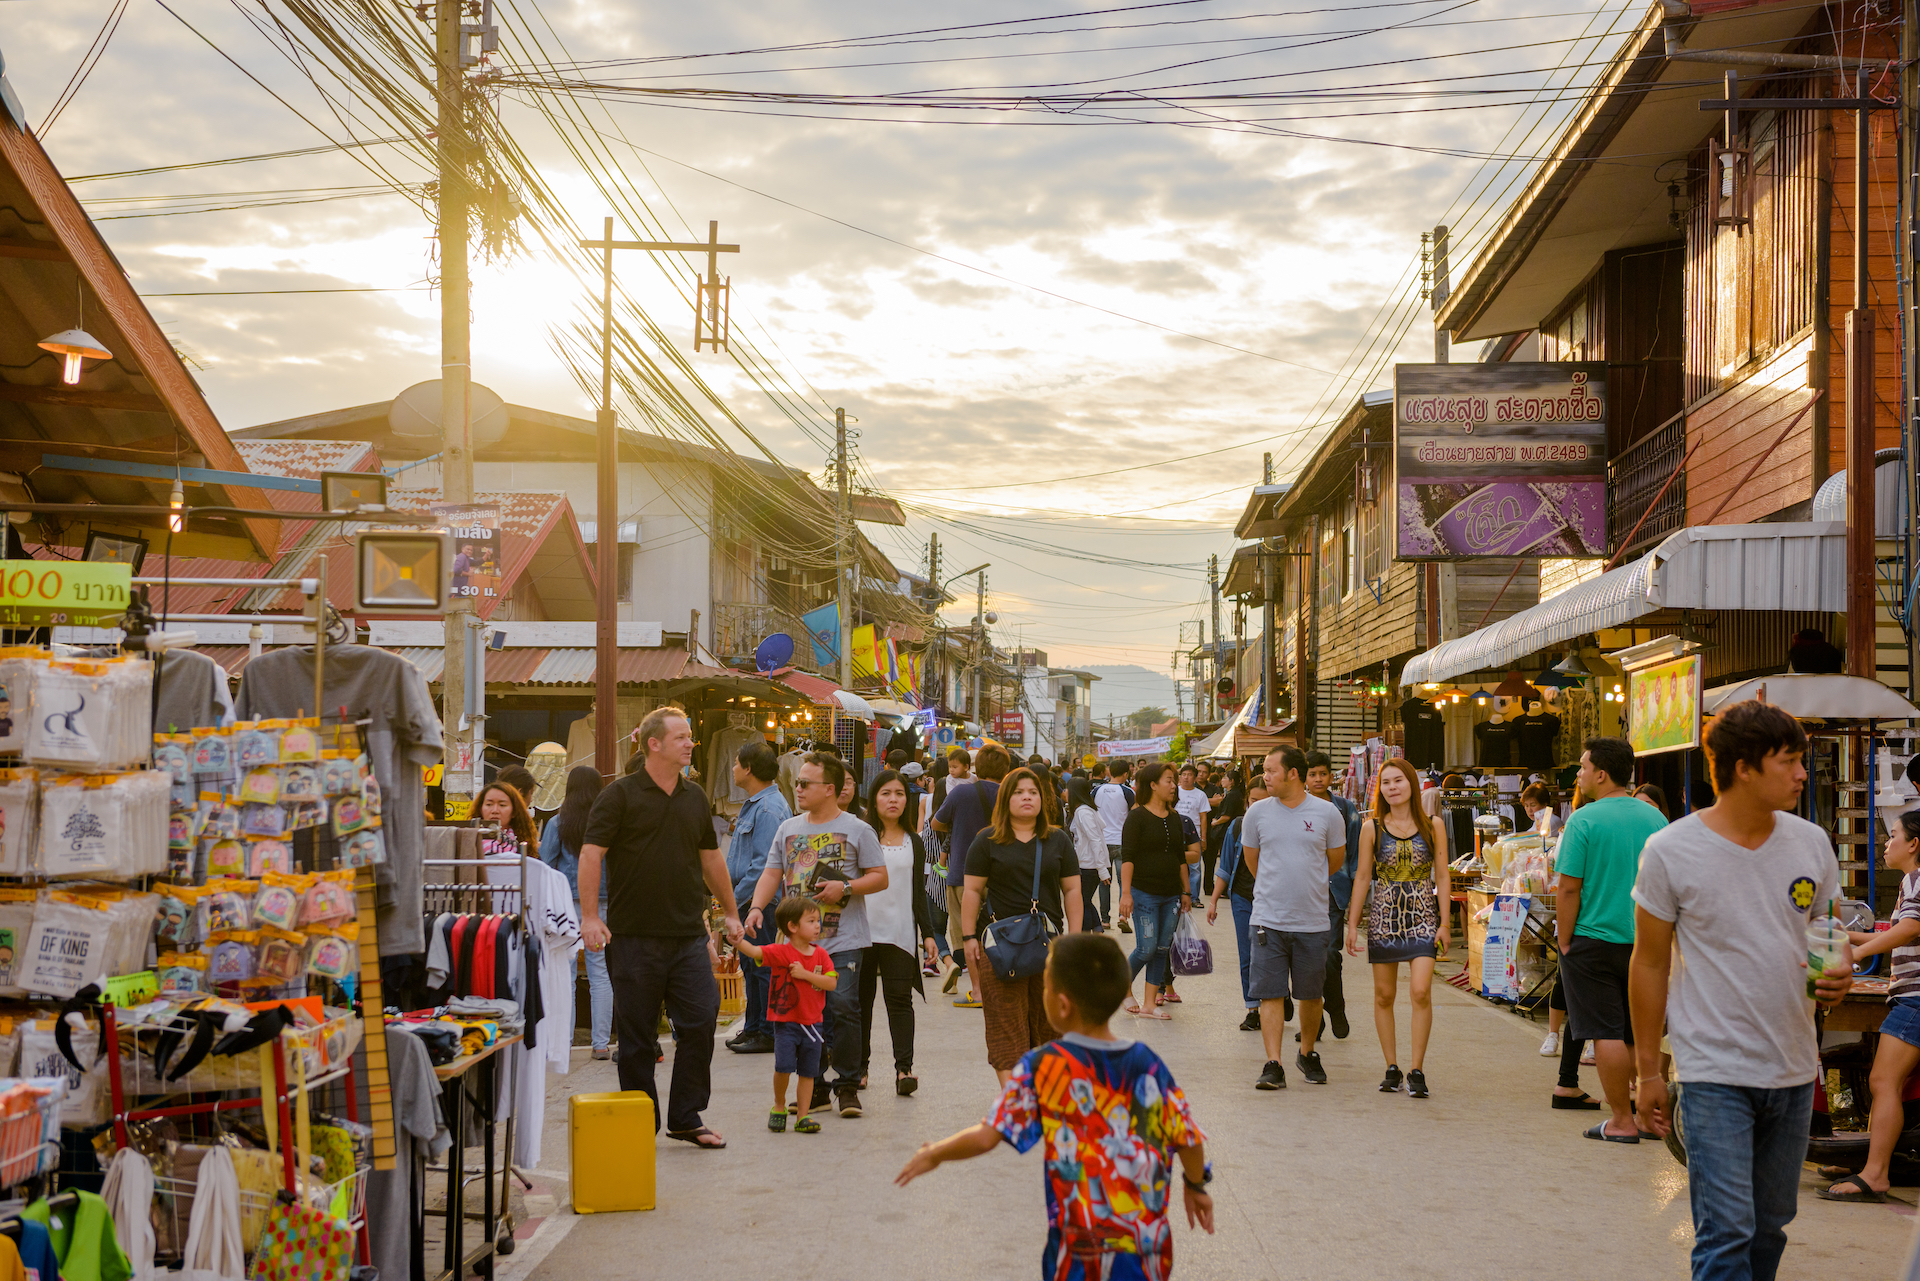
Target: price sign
x: 39, y: 593
x: 459, y: 808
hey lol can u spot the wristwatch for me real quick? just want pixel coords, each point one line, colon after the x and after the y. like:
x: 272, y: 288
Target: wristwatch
x: 969, y: 938
x: 1206, y: 1177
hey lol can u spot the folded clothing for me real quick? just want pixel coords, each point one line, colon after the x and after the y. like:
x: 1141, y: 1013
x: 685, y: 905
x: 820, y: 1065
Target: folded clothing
x: 441, y: 1039
x: 495, y: 1009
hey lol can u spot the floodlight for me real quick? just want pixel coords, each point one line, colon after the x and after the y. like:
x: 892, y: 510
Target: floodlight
x: 402, y: 571
x: 345, y: 491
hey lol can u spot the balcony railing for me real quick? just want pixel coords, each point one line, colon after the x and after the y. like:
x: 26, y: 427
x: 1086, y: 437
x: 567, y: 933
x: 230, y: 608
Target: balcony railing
x: 739, y: 628
x: 1635, y: 479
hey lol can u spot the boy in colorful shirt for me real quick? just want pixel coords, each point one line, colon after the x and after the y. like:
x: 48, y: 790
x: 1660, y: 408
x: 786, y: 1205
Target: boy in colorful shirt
x: 1112, y: 1120
x: 802, y: 975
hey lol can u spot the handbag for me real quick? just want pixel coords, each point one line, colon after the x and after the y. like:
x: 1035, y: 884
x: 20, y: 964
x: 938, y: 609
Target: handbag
x: 1016, y: 948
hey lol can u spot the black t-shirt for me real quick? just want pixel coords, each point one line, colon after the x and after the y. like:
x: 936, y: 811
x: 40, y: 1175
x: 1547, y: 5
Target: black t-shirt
x: 1242, y: 886
x: 1536, y: 740
x: 1009, y: 873
x: 1156, y: 846
x: 1494, y: 744
x: 1426, y: 733
x: 655, y: 886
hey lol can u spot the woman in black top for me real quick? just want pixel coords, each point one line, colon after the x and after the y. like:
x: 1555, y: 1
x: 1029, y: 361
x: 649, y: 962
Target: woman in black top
x: 1154, y: 853
x: 898, y: 920
x: 1000, y: 878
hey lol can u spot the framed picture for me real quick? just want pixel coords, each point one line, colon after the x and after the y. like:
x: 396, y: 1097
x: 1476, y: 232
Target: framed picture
x: 115, y: 549
x: 1663, y: 703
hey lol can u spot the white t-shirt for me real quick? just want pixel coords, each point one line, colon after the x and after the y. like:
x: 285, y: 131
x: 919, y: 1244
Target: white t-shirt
x: 890, y: 912
x: 1290, y: 879
x: 1111, y: 800
x: 1737, y: 1010
x: 1191, y: 802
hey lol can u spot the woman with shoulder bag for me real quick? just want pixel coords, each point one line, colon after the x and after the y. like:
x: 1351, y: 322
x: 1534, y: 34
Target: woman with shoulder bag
x: 1024, y: 870
x: 902, y: 930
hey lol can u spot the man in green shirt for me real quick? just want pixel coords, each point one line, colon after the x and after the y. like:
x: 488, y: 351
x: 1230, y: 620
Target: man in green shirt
x: 1598, y: 860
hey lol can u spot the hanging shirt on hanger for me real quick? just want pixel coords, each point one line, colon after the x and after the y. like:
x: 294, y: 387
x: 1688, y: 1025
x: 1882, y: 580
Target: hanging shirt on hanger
x: 1426, y: 733
x: 82, y: 1239
x: 1537, y: 732
x: 191, y: 692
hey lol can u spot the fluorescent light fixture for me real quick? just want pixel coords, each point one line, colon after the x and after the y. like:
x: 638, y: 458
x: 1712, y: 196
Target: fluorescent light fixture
x: 402, y: 571
x: 345, y: 491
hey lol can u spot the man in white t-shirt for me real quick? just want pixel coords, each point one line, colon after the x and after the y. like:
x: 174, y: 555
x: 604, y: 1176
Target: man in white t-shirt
x: 1192, y: 804
x: 1734, y: 887
x: 1114, y: 800
x: 1292, y: 842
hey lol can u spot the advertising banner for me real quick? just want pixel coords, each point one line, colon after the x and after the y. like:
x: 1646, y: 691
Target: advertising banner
x: 477, y: 564
x: 1500, y: 959
x: 73, y: 593
x: 1663, y: 706
x: 1133, y: 747
x: 1495, y: 460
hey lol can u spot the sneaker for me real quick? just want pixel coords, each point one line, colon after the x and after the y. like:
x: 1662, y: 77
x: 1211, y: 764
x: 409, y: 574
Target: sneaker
x: 1550, y: 1048
x: 752, y: 1043
x: 603, y: 1053
x: 806, y: 1125
x: 849, y: 1103
x: 953, y: 980
x: 1338, y: 1018
x: 1391, y: 1082
x: 1272, y: 1077
x: 1309, y: 1065
x: 1586, y: 1055
x: 1417, y: 1084
x: 777, y: 1120
x: 1252, y: 1022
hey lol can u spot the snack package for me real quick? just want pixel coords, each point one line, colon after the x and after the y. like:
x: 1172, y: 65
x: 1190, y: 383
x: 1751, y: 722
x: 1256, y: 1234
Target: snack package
x: 19, y: 820
x: 329, y: 899
x: 268, y: 855
x: 301, y: 741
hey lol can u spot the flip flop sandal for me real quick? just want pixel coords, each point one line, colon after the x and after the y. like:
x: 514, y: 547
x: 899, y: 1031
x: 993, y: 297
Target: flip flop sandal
x: 1152, y: 1014
x: 1600, y: 1132
x: 1861, y: 1195
x: 1170, y: 998
x: 966, y: 1005
x: 1576, y: 1103
x: 698, y: 1138
x: 1834, y: 1171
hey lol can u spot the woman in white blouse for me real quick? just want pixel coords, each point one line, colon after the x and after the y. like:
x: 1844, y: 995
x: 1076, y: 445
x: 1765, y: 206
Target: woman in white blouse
x: 902, y: 930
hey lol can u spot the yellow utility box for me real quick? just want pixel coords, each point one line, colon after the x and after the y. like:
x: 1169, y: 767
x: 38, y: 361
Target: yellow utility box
x: 610, y: 1145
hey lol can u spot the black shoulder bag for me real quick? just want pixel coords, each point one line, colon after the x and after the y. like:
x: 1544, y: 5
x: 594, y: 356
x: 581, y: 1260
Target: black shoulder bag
x: 1016, y: 947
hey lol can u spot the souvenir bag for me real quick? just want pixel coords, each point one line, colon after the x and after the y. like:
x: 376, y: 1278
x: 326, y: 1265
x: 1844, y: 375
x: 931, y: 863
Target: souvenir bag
x: 299, y: 1243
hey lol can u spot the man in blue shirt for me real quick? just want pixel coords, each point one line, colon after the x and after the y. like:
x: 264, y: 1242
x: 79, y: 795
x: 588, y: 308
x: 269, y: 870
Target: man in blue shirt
x: 1339, y: 886
x: 754, y: 771
x: 964, y: 815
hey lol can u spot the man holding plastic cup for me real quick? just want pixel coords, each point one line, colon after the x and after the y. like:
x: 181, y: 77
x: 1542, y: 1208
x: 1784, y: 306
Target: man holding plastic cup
x: 1736, y: 887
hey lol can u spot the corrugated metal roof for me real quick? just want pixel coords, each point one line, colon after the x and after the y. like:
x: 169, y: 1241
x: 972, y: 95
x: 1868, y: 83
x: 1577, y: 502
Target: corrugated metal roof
x: 430, y: 660
x: 578, y: 666
x: 1889, y: 496
x: 181, y: 598
x: 512, y: 666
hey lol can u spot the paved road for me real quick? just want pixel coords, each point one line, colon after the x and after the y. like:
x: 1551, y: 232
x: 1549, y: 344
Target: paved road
x: 1336, y: 1180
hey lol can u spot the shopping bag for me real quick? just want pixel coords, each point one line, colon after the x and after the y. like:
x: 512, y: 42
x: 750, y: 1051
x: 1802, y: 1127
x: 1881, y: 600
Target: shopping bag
x: 1189, y: 953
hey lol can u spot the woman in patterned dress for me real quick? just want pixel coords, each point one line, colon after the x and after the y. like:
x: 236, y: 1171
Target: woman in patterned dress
x: 1403, y: 864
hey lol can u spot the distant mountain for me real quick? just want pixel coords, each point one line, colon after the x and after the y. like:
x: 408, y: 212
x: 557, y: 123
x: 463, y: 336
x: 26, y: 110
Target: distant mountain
x: 1122, y: 690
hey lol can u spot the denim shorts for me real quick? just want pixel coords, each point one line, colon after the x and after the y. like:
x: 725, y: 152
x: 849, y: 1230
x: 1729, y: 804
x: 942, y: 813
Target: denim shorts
x: 796, y: 1048
x: 1287, y: 962
x: 1903, y: 1020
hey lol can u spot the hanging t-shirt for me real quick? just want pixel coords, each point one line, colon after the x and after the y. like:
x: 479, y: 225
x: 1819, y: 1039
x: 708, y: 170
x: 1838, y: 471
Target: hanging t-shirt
x: 192, y: 692
x: 1493, y: 744
x: 1426, y: 733
x: 83, y: 1240
x: 1537, y: 734
x: 36, y: 1252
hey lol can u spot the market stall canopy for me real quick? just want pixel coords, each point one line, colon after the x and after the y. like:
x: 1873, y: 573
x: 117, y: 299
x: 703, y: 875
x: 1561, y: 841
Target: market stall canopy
x: 130, y: 423
x: 1799, y: 566
x: 892, y: 707
x: 824, y: 692
x: 1597, y: 191
x: 1816, y: 698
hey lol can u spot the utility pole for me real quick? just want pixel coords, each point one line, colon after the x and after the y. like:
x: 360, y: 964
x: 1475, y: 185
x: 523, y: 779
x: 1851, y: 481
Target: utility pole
x: 842, y: 542
x: 456, y: 373
x: 980, y: 651
x: 1213, y: 591
x: 1441, y: 581
x: 606, y: 632
x: 1863, y: 642
x: 1268, y: 676
x: 933, y: 577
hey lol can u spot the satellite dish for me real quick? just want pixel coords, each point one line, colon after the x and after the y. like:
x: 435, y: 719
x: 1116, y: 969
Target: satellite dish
x: 775, y: 651
x: 415, y: 413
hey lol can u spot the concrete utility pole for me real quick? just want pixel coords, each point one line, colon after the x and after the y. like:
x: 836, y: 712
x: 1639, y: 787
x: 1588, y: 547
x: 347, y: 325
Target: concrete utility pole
x: 933, y: 578
x: 456, y: 373
x: 980, y: 651
x: 843, y: 542
x: 1213, y: 591
x: 1441, y: 580
x: 606, y: 632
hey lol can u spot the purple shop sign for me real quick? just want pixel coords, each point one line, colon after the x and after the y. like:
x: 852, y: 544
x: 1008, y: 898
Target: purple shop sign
x: 1512, y: 518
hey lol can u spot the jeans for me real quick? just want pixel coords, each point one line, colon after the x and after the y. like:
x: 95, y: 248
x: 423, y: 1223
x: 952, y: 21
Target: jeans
x: 840, y: 1025
x: 893, y: 973
x: 1242, y: 914
x: 599, y: 998
x: 1154, y: 916
x: 757, y: 981
x: 1745, y: 1146
x: 647, y: 972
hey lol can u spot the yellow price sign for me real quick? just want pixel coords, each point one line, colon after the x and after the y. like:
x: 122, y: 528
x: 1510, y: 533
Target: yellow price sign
x: 431, y: 774
x: 63, y: 593
x: 458, y: 808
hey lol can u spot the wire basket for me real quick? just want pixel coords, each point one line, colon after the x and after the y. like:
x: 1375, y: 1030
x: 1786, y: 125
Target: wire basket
x: 29, y: 1127
x: 324, y: 1047
x: 173, y: 1207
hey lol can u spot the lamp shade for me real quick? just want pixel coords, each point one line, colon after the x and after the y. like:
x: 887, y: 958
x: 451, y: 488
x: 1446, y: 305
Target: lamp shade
x: 1572, y: 666
x: 1482, y: 696
x: 75, y: 342
x: 1516, y: 686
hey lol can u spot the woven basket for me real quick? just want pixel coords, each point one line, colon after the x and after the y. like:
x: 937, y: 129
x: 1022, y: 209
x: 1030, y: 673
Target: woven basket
x: 733, y: 992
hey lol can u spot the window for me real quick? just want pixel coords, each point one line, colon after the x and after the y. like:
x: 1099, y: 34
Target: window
x: 1373, y: 543
x: 622, y: 568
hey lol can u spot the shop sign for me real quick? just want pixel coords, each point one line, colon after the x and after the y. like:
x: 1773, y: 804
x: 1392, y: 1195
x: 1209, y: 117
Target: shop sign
x: 1495, y: 460
x: 1010, y: 727
x: 477, y: 565
x: 74, y: 593
x: 1663, y: 706
x: 1500, y: 958
x: 1133, y: 746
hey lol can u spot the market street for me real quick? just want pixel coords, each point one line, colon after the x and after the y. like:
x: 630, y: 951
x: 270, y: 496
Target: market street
x: 1481, y: 1179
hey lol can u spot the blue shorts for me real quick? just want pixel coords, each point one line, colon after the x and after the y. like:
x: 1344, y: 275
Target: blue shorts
x: 1903, y: 1020
x: 796, y: 1048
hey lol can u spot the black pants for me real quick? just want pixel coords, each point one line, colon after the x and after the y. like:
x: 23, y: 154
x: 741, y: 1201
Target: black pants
x: 1335, y: 994
x: 1570, y: 1049
x: 840, y: 1024
x: 677, y: 972
x: 1090, y: 887
x: 1208, y: 858
x: 892, y: 972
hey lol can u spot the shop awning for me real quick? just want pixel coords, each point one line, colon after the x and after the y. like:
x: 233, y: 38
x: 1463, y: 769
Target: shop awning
x: 1799, y: 566
x: 1809, y: 698
x: 825, y: 693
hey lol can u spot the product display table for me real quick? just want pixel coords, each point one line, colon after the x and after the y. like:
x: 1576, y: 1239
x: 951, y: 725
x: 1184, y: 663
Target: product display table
x: 473, y: 1081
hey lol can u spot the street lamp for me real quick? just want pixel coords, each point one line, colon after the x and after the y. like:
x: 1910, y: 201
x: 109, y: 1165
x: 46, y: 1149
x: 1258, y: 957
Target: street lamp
x: 979, y: 621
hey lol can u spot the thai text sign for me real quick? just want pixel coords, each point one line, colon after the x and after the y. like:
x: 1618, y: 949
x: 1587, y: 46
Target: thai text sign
x: 1500, y: 460
x: 63, y: 592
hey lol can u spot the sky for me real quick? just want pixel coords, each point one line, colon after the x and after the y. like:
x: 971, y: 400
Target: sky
x: 1066, y: 325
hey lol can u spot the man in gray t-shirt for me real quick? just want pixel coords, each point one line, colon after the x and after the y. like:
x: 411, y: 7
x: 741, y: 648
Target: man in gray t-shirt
x: 1733, y: 887
x: 834, y: 857
x: 1293, y: 841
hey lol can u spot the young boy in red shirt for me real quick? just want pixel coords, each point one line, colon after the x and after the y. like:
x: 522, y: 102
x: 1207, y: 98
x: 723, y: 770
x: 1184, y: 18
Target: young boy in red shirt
x: 802, y: 975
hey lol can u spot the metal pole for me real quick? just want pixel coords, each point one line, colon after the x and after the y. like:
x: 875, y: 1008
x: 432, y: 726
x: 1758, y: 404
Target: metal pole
x: 606, y: 630
x: 320, y: 635
x: 1862, y: 639
x: 456, y: 461
x: 843, y: 545
x: 979, y: 651
x: 1213, y: 592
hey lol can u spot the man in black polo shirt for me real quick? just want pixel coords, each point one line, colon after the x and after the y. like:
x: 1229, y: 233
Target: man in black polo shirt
x: 654, y: 831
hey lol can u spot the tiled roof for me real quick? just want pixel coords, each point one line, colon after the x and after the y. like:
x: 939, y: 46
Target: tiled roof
x: 306, y: 459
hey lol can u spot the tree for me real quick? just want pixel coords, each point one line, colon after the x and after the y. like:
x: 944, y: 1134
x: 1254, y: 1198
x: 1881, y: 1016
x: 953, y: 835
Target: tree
x: 1140, y: 723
